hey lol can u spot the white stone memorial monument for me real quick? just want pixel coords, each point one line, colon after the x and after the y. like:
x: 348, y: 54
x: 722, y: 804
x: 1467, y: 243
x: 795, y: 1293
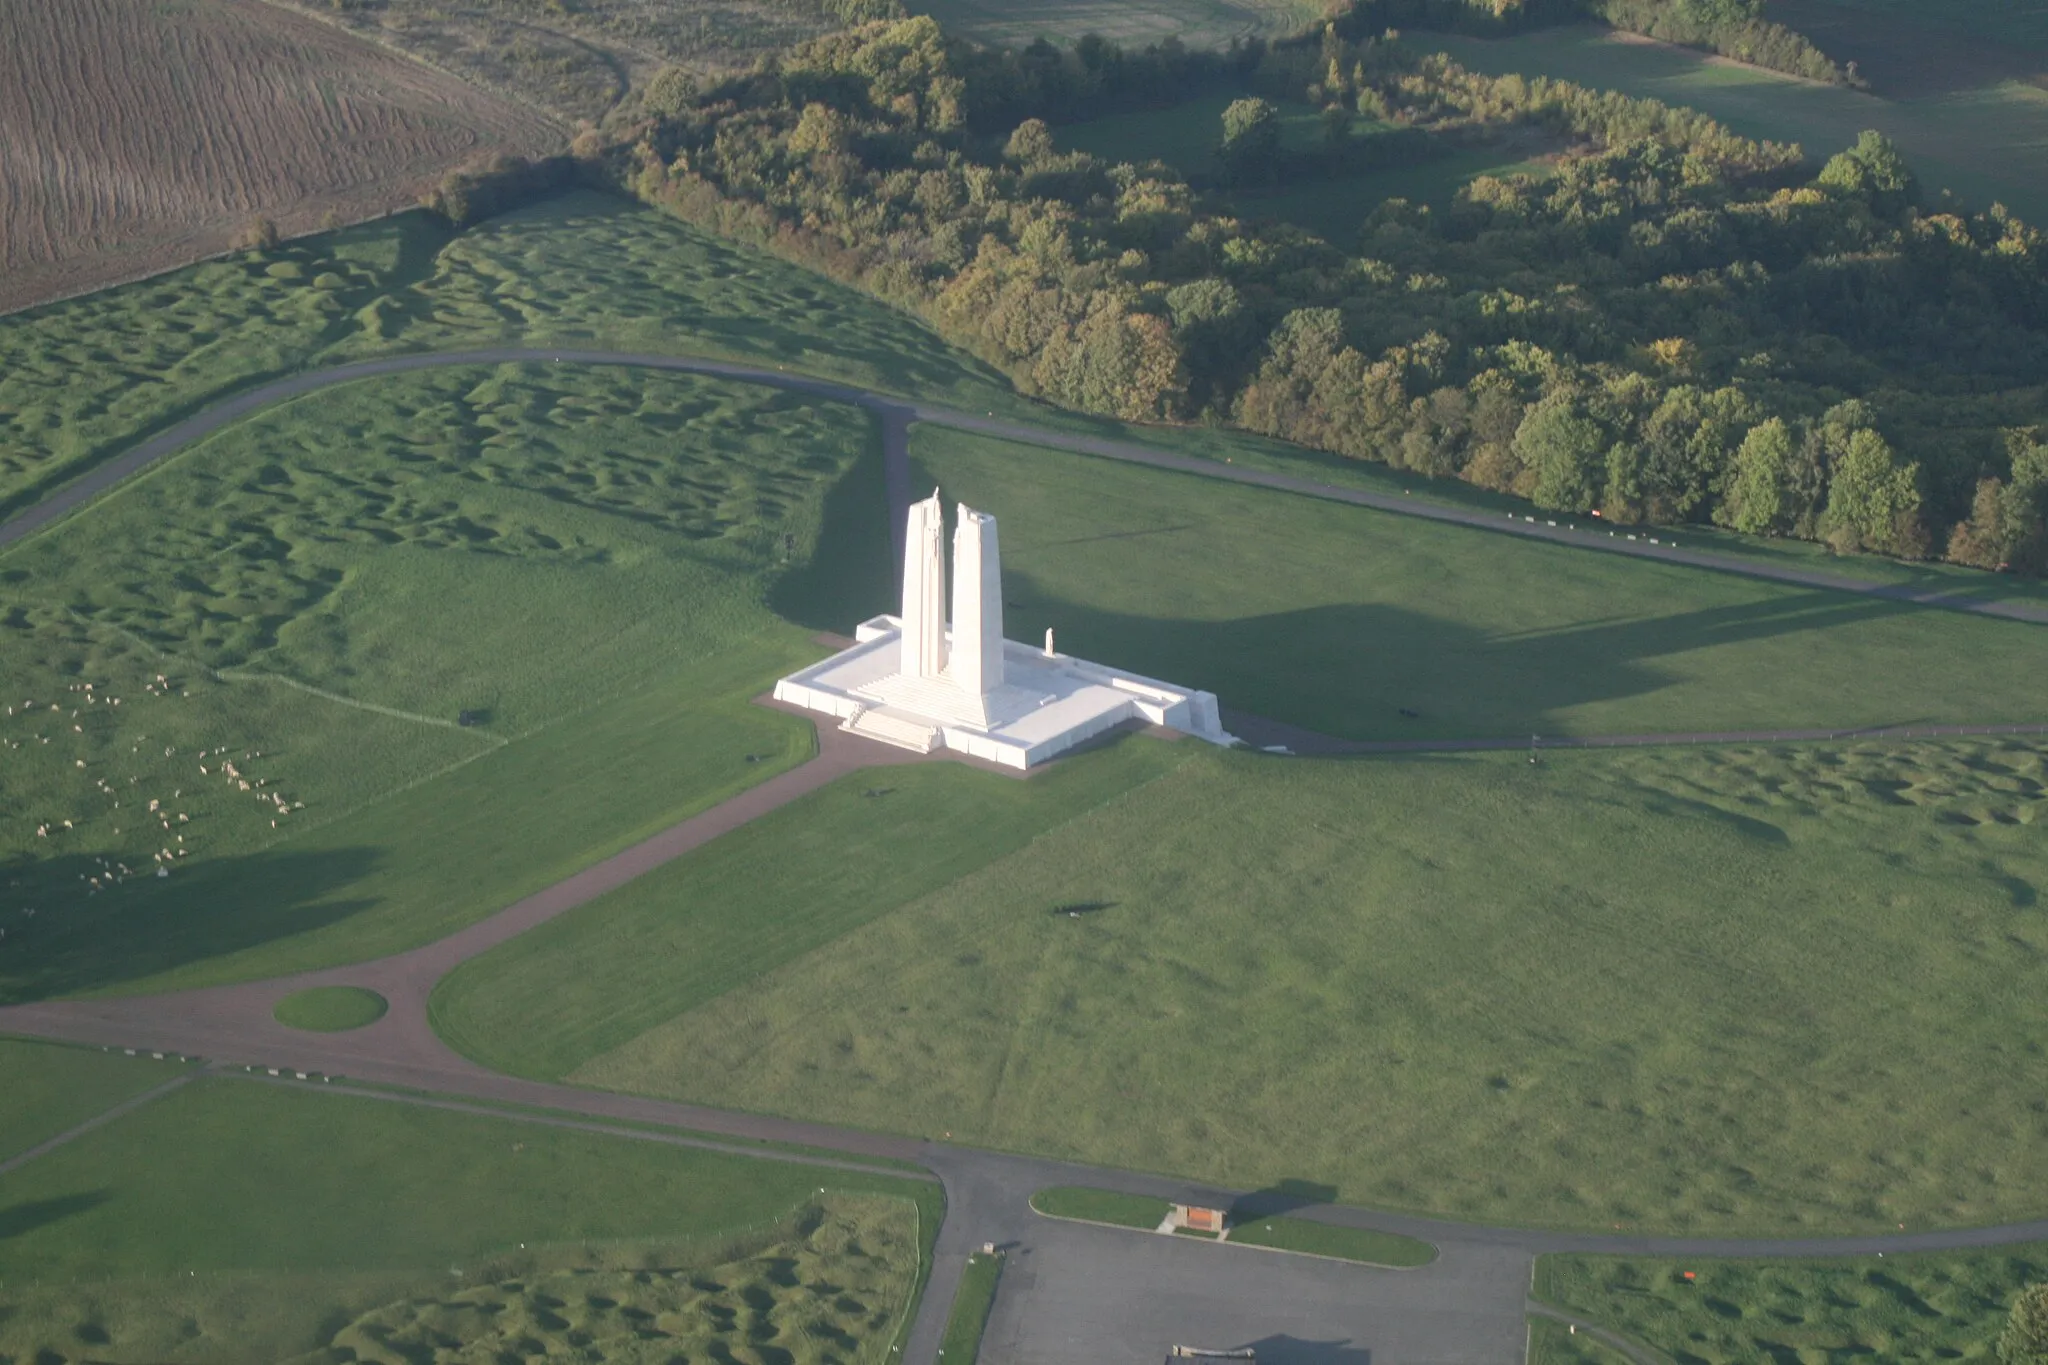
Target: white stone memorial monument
x: 912, y: 681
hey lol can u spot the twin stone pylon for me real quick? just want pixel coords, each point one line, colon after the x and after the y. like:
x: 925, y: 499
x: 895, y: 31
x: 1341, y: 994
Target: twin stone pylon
x: 974, y: 663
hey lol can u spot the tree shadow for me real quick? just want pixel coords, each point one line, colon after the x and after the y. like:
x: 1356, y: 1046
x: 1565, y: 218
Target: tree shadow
x: 1369, y: 671
x: 27, y: 1216
x: 1284, y: 1197
x: 81, y: 940
x: 1281, y: 1349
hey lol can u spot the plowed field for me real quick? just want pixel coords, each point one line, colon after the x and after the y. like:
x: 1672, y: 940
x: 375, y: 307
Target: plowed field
x: 136, y: 136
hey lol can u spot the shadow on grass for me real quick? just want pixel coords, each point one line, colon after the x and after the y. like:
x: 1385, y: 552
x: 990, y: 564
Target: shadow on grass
x: 26, y: 1217
x: 79, y: 941
x: 850, y: 576
x: 1371, y: 671
x: 1282, y: 1198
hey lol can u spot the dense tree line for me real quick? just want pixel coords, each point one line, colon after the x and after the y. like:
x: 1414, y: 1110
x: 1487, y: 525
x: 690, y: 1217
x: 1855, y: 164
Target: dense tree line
x: 1679, y: 324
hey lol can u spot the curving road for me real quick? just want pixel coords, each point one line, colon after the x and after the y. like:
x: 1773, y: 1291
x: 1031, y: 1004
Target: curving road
x: 1469, y: 1305
x: 898, y: 413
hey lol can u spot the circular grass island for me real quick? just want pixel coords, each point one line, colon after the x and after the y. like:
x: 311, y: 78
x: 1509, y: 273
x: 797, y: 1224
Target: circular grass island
x: 330, y: 1009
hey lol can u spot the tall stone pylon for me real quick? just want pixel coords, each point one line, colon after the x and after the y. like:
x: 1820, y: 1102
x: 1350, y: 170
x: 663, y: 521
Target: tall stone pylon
x: 977, y: 665
x: 924, y: 590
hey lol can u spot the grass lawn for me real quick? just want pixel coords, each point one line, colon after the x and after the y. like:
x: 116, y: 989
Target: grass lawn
x: 1927, y: 1307
x: 971, y: 1305
x: 1133, y: 23
x: 1184, y: 136
x: 2004, y: 21
x: 84, y: 379
x: 51, y: 1088
x: 331, y: 1009
x: 239, y: 1221
x: 769, y: 892
x: 1335, y: 208
x: 1554, y: 1343
x: 1322, y: 1239
x: 425, y: 643
x: 1101, y: 1206
x: 1338, y: 617
x: 1741, y: 988
x: 1988, y: 143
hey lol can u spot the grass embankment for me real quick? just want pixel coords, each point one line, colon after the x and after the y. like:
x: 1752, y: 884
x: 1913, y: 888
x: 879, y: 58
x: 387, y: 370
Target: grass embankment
x: 971, y: 1305
x: 331, y: 1009
x: 1686, y: 989
x: 237, y: 1221
x: 761, y: 896
x: 1323, y: 1239
x: 1340, y: 618
x: 1101, y: 1206
x: 1910, y: 1308
x: 51, y: 1088
x: 428, y: 643
x: 1988, y: 143
x: 1554, y: 1343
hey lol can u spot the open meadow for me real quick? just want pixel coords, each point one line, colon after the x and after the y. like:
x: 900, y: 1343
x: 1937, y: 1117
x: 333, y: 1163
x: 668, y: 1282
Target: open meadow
x: 233, y: 1220
x: 1732, y: 989
x: 381, y: 660
x: 52, y: 1089
x: 1925, y: 1307
x: 118, y: 166
x: 1989, y: 142
x: 1133, y: 23
x: 1342, y: 619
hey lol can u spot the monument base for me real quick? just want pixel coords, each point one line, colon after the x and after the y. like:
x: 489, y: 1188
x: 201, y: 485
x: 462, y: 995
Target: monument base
x: 1048, y: 704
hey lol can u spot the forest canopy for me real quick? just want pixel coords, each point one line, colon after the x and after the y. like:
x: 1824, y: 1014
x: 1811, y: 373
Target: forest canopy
x: 1673, y: 324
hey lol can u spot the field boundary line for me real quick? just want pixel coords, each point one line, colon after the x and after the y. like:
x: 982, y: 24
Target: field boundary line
x: 100, y: 1120
x: 251, y: 675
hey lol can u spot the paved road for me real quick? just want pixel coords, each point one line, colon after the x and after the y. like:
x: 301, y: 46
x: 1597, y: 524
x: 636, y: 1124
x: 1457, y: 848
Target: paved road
x: 1112, y: 1297
x: 897, y: 413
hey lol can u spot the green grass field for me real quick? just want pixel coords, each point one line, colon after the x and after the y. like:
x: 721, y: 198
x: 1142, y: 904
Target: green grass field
x: 1324, y: 1239
x: 236, y: 1221
x: 51, y: 1089
x: 764, y: 895
x: 1733, y: 989
x: 1101, y: 1206
x: 84, y: 379
x: 1185, y: 135
x: 388, y: 657
x: 2005, y: 21
x: 1913, y: 1308
x: 1988, y: 143
x: 1554, y: 1343
x: 1133, y: 23
x: 331, y: 1009
x: 971, y: 1305
x: 1337, y: 617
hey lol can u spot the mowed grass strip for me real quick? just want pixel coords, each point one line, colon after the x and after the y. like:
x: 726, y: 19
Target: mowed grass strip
x: 52, y: 1088
x: 1341, y: 618
x: 1739, y: 989
x: 1101, y: 1206
x: 971, y: 1305
x: 1555, y: 1343
x: 765, y: 894
x: 1326, y: 1239
x: 331, y: 1009
x: 238, y: 1220
x: 1919, y: 1307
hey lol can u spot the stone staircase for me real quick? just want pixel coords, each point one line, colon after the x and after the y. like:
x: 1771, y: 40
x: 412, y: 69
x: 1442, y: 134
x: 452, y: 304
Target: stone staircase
x: 904, y: 734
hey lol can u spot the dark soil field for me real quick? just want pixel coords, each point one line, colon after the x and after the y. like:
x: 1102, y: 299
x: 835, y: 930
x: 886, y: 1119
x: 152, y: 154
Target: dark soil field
x: 138, y: 137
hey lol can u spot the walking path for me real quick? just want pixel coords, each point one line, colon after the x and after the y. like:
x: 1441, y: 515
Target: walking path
x: 986, y: 1192
x: 896, y: 415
